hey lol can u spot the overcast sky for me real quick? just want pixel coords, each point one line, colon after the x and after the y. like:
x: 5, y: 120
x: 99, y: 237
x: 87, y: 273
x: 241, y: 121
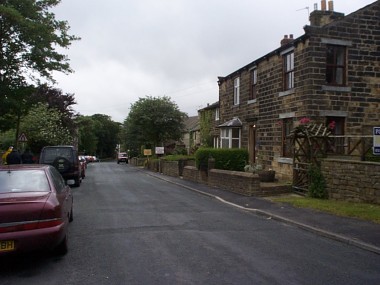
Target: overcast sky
x: 130, y: 49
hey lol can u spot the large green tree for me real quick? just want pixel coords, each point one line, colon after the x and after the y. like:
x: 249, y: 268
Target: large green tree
x: 43, y: 126
x: 55, y: 98
x: 29, y: 37
x: 152, y: 121
x: 87, y: 139
x: 107, y: 133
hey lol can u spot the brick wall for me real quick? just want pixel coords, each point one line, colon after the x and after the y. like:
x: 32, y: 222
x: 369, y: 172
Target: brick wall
x: 357, y: 181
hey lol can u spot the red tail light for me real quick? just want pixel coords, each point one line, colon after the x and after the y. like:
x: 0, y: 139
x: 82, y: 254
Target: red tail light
x: 32, y: 225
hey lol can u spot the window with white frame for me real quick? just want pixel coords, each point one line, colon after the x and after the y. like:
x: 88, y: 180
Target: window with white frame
x: 217, y: 114
x: 230, y: 137
x: 237, y: 91
x: 216, y: 142
x: 288, y: 71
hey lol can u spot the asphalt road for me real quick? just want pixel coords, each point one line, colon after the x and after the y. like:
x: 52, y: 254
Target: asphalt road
x: 131, y: 228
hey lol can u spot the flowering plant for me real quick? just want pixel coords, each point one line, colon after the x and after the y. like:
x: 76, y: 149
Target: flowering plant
x: 332, y: 125
x: 305, y: 120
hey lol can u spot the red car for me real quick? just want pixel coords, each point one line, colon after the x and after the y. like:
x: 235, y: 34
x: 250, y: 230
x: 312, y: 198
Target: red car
x: 83, y: 166
x: 36, y: 207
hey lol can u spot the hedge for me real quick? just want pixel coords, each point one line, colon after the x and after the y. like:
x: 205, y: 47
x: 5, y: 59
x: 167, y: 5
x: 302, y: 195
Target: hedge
x: 227, y: 159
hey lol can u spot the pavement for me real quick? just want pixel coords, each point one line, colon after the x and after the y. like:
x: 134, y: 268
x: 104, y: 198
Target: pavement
x: 356, y: 232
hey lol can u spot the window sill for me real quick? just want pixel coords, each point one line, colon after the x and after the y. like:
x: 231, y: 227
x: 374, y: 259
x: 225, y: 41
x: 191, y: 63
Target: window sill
x: 287, y: 92
x: 336, y: 88
x: 251, y: 101
x: 285, y: 160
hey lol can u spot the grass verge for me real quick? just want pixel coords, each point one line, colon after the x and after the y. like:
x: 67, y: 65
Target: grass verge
x: 364, y: 211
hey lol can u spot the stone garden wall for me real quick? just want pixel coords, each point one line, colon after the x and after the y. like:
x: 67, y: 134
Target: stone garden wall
x: 357, y: 181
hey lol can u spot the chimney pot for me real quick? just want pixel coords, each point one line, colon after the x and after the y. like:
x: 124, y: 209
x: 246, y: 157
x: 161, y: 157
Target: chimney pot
x: 331, y: 5
x: 323, y: 5
x: 287, y: 39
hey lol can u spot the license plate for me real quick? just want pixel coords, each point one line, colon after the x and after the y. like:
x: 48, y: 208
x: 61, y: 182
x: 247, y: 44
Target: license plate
x: 7, y: 245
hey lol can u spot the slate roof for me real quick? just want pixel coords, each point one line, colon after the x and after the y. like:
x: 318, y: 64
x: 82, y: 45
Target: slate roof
x: 192, y: 124
x: 235, y: 122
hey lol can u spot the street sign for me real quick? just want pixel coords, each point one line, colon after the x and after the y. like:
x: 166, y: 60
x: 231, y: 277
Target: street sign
x: 159, y: 150
x: 376, y: 140
x: 22, y: 138
x: 147, y: 152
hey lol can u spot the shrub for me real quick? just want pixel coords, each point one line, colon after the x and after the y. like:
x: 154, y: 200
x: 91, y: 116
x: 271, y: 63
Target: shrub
x: 317, y: 186
x: 371, y: 157
x: 227, y: 159
x: 180, y: 151
x: 178, y: 157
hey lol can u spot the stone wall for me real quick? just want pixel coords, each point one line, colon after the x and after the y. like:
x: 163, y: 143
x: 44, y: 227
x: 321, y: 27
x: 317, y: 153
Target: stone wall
x: 175, y: 168
x: 356, y: 181
x: 135, y: 161
x: 242, y: 183
x: 170, y: 168
x: 191, y: 173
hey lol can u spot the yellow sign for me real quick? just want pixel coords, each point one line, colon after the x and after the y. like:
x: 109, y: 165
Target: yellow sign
x: 147, y: 152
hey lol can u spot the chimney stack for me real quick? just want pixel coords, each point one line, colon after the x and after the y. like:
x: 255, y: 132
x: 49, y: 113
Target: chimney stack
x: 287, y: 39
x: 323, y: 5
x: 331, y: 6
x: 324, y: 16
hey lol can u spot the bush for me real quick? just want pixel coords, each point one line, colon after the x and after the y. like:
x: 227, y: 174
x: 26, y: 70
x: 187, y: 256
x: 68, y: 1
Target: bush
x: 317, y: 186
x: 227, y: 159
x: 180, y: 151
x: 371, y: 157
x: 174, y: 157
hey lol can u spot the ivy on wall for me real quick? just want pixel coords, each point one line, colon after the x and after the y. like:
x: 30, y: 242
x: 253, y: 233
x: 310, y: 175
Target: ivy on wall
x: 205, y: 123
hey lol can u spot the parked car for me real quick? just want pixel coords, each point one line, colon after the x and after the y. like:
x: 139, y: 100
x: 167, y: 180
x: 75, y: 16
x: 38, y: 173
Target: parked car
x: 65, y: 160
x: 88, y: 158
x: 36, y: 207
x: 122, y: 157
x: 83, y: 166
x: 91, y: 158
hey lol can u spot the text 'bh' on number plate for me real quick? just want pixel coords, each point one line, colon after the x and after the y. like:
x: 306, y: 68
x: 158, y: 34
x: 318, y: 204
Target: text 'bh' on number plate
x: 7, y: 245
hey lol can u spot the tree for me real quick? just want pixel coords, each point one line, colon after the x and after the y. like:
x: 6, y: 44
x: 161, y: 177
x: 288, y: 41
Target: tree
x: 87, y: 140
x: 107, y: 133
x: 29, y: 36
x: 153, y: 121
x: 56, y: 99
x: 43, y: 126
x: 14, y: 108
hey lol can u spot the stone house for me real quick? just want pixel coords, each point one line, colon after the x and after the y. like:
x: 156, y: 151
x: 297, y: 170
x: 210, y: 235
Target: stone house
x: 209, y: 122
x: 330, y: 74
x: 191, y: 135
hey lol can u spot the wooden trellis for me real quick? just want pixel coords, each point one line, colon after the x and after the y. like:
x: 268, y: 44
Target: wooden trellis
x: 310, y: 142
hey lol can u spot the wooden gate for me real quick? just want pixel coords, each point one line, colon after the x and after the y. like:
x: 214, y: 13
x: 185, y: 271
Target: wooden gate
x: 310, y: 143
